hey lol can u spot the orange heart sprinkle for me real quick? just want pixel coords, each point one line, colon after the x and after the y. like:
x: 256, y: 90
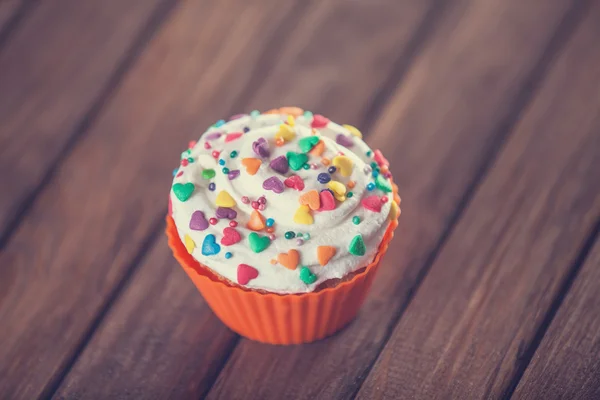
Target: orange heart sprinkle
x: 251, y: 164
x: 256, y: 222
x: 311, y: 199
x: 289, y: 259
x: 324, y: 254
x: 318, y: 149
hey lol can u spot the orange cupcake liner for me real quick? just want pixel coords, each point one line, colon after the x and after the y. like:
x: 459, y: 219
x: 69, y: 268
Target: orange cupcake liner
x: 281, y: 318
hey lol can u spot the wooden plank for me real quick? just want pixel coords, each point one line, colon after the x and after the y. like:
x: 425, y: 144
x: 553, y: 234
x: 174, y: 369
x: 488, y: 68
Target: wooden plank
x: 62, y: 267
x: 56, y: 70
x: 566, y: 364
x: 486, y: 296
x: 440, y: 128
x: 192, y: 366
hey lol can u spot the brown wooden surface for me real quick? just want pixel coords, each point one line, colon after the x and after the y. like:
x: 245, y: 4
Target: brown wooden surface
x: 487, y: 109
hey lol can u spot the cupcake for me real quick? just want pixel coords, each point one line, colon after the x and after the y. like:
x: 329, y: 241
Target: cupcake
x: 280, y: 219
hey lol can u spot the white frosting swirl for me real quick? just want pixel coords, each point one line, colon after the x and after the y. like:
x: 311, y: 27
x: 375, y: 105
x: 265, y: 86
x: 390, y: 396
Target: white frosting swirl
x: 336, y: 228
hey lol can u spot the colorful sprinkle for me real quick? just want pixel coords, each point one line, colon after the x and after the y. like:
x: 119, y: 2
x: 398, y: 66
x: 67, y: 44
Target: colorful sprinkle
x: 207, y: 145
x: 290, y: 235
x: 231, y: 175
x: 258, y: 242
x: 383, y: 184
x: 183, y: 191
x: 325, y: 161
x: 380, y: 159
x: 357, y: 246
x: 246, y: 273
x: 274, y: 184
x: 327, y: 200
x: 353, y: 131
x: 306, y: 167
x: 228, y: 255
x: 256, y: 222
x: 246, y: 129
x: 319, y: 121
x: 221, y: 162
x: 184, y: 162
x: 351, y: 184
x: 233, y: 154
x: 261, y: 147
x: 216, y: 154
x: 175, y: 171
x: 286, y: 132
x: 230, y: 137
x: 233, y: 224
x: 251, y: 164
x: 224, y: 199
x: 254, y: 113
x: 318, y: 149
x: 344, y: 165
x: 356, y: 220
x: 245, y: 199
x: 372, y: 203
x: 198, y: 221
x: 226, y: 213
x: 294, y: 182
x: 311, y: 199
x: 302, y: 216
x: 323, y: 177
x: 370, y: 186
x: 325, y: 253
x: 219, y: 123
x: 189, y: 243
x: 344, y: 140
x: 212, y: 186
x: 307, y: 143
x: 307, y: 276
x: 299, y: 241
x: 394, y: 211
x: 349, y: 194
x: 306, y: 236
x: 210, y: 247
x: 213, y: 221
x: 270, y: 221
x: 225, y: 170
x: 230, y: 236
x: 296, y: 160
x: 280, y: 165
x: 290, y: 259
x: 208, y: 173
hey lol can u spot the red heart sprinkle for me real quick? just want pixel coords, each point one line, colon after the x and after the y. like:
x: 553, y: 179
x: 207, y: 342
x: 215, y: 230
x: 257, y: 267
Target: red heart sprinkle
x: 230, y: 236
x: 327, y: 201
x: 294, y: 182
x: 245, y: 273
x: 230, y: 137
x: 319, y: 121
x: 372, y: 203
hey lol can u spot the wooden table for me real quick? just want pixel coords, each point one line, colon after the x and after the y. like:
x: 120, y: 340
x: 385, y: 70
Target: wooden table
x: 488, y: 109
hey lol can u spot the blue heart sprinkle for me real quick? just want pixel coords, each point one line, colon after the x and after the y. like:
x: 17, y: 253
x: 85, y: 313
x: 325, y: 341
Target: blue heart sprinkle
x: 210, y: 247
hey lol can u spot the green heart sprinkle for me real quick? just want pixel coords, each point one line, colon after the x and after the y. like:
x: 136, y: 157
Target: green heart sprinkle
x: 208, y: 173
x: 357, y: 246
x: 383, y: 184
x: 296, y: 160
x: 183, y: 191
x: 257, y: 242
x: 307, y: 143
x: 307, y: 276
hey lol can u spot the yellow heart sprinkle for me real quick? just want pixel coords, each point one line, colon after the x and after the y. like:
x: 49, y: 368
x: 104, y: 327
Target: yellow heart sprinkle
x: 339, y: 197
x: 337, y: 187
x: 291, y: 121
x: 224, y: 199
x: 189, y: 243
x: 302, y: 216
x: 343, y: 164
x: 353, y: 131
x: 285, y: 132
x: 394, y: 211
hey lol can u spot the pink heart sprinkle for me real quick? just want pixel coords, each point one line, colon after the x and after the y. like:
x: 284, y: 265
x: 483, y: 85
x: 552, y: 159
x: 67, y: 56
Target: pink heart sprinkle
x: 245, y: 273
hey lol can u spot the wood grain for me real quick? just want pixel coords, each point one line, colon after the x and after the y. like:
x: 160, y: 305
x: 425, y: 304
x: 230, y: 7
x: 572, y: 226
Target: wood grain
x: 62, y: 266
x: 155, y: 334
x: 445, y: 122
x: 566, y: 364
x: 56, y: 69
x: 472, y: 320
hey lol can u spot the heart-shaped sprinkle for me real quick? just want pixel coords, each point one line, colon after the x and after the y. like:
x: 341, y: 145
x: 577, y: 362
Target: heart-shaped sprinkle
x: 189, y: 243
x: 343, y: 164
x: 383, y: 184
x: 294, y: 182
x: 289, y: 259
x: 337, y: 187
x: 257, y: 242
x: 394, y: 211
x: 198, y: 221
x: 261, y: 147
x: 246, y: 273
x: 183, y: 191
x: 325, y: 253
x: 213, y: 136
x: 380, y: 159
x: 179, y: 174
x: 224, y: 212
x: 285, y: 132
x: 294, y: 111
x: 208, y: 173
x: 311, y: 199
x: 210, y: 247
x: 273, y: 183
x: 231, y: 175
x: 372, y: 203
x: 230, y: 236
x: 280, y: 164
x: 318, y: 149
x: 224, y: 199
x: 230, y: 137
x: 302, y: 216
x: 319, y: 121
x: 357, y: 246
x: 251, y: 164
x: 344, y: 140
x: 296, y: 160
x: 256, y: 222
x: 307, y: 143
x: 327, y: 201
x: 353, y: 131
x: 307, y: 276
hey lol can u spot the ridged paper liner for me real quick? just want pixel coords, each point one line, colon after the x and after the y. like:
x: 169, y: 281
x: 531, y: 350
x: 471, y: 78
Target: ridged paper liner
x: 281, y: 318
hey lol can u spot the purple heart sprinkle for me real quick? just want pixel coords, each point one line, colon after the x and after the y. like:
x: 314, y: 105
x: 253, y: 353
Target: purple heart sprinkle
x: 280, y: 164
x: 224, y: 212
x: 273, y: 183
x: 344, y: 140
x: 213, y: 136
x: 261, y: 147
x: 198, y: 222
x: 233, y: 174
